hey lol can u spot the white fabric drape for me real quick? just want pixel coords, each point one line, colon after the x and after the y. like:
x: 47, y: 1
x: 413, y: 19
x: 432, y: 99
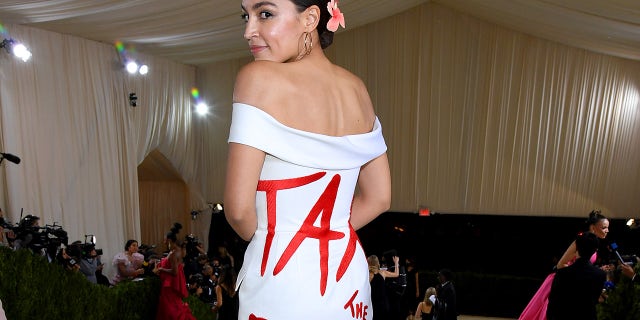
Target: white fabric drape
x: 66, y: 114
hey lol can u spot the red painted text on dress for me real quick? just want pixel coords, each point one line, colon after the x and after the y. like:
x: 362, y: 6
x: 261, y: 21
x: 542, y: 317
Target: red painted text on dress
x: 324, y: 205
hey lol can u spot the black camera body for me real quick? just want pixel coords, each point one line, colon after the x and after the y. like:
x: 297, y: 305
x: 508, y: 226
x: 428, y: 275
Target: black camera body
x: 84, y: 250
x: 191, y: 243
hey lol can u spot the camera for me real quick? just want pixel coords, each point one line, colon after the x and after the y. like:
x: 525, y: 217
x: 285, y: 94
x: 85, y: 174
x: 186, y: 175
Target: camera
x: 630, y: 259
x: 84, y: 250
x: 191, y: 243
x: 4, y: 223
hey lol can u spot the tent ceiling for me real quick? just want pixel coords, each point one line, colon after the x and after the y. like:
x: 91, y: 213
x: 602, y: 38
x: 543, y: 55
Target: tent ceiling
x: 202, y: 31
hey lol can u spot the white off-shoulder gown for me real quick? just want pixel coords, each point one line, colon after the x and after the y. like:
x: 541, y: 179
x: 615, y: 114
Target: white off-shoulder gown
x: 305, y: 260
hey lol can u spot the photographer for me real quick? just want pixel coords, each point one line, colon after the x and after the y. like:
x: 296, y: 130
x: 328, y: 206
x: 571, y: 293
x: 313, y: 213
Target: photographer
x: 193, y: 249
x: 89, y: 259
x: 26, y: 232
x: 66, y: 260
x: 194, y: 285
x: 208, y: 286
x: 4, y: 241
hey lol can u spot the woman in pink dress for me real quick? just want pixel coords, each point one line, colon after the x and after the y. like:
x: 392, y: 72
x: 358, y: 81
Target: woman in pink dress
x: 303, y: 134
x: 173, y: 284
x: 128, y: 263
x: 537, y: 307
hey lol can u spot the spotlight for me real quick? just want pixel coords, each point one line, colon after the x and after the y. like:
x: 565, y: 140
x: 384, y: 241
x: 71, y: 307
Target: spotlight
x: 133, y: 67
x: 217, y: 207
x: 18, y: 49
x: 202, y: 108
x: 144, y: 69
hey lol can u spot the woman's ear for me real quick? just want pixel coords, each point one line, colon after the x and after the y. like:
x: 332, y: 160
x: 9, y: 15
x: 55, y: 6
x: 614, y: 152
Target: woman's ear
x: 311, y: 17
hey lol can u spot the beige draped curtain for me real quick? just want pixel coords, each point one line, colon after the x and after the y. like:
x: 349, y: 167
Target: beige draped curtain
x: 478, y: 119
x: 482, y: 119
x: 66, y: 114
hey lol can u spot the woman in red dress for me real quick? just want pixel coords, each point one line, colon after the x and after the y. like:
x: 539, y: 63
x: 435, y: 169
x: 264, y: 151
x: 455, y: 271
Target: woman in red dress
x: 173, y: 284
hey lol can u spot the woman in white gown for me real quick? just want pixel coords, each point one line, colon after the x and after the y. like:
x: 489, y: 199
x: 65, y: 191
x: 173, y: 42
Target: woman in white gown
x: 303, y: 136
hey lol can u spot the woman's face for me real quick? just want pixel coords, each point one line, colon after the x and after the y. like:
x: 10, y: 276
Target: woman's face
x: 600, y: 228
x: 133, y: 248
x: 273, y: 29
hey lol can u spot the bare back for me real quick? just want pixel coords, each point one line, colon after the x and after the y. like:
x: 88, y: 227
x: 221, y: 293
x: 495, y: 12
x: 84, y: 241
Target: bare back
x: 310, y: 96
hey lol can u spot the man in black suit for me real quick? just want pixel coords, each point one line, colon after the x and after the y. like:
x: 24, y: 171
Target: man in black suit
x: 447, y: 293
x: 575, y: 289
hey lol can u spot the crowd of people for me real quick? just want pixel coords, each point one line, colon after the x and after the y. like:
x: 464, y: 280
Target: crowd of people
x: 211, y: 278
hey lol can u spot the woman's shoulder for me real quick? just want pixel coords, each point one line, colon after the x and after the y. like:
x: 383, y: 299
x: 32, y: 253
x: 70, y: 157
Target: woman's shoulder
x: 255, y: 80
x: 120, y: 257
x: 256, y: 68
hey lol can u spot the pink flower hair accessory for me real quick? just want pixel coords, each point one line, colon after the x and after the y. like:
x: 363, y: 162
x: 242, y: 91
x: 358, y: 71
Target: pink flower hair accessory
x: 337, y: 18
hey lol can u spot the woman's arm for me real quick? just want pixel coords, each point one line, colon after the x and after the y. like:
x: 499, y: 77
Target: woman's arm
x: 244, y: 165
x: 123, y: 269
x: 396, y: 272
x: 418, y: 313
x: 374, y: 192
x: 218, y: 298
x: 126, y: 273
x: 417, y: 280
x: 231, y: 259
x: 568, y: 255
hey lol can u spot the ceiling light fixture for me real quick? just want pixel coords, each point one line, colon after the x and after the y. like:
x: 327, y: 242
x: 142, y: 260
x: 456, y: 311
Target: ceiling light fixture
x: 18, y: 49
x: 133, y: 68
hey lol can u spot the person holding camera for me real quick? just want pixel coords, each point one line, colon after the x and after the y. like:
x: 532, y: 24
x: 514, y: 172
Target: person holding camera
x: 208, y: 285
x: 89, y: 261
x: 66, y: 260
x: 194, y: 285
x: 4, y: 242
x: 28, y: 230
x: 128, y: 263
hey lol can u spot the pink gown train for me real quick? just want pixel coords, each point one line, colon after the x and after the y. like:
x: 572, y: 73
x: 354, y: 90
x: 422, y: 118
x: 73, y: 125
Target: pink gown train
x: 537, y: 307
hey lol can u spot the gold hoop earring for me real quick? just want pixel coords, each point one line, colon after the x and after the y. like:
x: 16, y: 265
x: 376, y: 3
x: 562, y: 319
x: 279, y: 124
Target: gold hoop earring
x: 307, y: 45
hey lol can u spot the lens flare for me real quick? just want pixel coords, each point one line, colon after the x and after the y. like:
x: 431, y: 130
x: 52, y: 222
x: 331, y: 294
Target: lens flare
x: 120, y: 46
x: 195, y: 93
x: 2, y: 29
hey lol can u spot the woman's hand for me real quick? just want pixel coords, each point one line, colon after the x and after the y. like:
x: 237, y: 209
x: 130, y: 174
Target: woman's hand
x: 608, y: 267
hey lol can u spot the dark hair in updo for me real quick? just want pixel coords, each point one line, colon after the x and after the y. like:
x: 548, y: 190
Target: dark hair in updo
x: 326, y: 36
x: 594, y: 217
x: 171, y: 235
